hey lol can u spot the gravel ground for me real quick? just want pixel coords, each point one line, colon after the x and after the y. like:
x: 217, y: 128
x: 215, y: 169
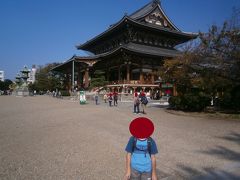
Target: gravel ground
x: 47, y: 138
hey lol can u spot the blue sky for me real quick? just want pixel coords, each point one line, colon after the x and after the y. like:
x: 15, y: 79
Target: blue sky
x: 45, y: 31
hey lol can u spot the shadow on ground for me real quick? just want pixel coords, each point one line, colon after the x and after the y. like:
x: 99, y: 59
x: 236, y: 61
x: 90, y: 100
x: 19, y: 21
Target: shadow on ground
x: 234, y: 137
x: 230, y: 171
x: 210, y: 173
x: 226, y: 152
x: 161, y: 174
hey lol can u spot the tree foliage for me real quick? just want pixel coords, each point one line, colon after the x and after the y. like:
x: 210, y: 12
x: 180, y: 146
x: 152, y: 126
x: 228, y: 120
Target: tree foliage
x: 209, y: 69
x: 5, y: 85
x: 48, y: 80
x: 98, y: 80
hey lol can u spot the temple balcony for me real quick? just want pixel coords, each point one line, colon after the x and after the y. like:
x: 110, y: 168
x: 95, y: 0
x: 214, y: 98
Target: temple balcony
x: 130, y: 82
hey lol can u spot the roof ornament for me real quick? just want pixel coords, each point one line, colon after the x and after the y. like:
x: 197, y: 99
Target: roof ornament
x: 155, y: 2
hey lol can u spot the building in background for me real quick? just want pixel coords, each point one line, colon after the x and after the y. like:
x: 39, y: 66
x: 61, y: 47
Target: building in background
x: 130, y: 52
x: 32, y: 74
x: 1, y: 75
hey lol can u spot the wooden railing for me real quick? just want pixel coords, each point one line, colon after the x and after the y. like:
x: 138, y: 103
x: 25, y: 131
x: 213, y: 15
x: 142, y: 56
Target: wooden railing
x: 129, y: 82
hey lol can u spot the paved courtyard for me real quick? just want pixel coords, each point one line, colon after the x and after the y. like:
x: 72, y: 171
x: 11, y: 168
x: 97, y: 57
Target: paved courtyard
x: 47, y: 138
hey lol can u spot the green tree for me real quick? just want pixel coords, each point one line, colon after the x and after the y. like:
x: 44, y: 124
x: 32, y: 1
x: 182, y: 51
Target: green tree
x: 5, y: 85
x: 48, y: 80
x: 98, y: 79
x: 219, y: 54
x: 210, y: 68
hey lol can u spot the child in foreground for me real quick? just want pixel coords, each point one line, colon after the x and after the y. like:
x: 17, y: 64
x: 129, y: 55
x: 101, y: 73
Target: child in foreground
x: 141, y: 150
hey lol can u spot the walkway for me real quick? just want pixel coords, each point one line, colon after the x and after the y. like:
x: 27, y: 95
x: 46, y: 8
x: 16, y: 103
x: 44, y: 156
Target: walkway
x: 48, y: 138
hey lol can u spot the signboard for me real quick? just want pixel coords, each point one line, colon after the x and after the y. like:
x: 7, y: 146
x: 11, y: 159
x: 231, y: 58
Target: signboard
x: 82, y: 97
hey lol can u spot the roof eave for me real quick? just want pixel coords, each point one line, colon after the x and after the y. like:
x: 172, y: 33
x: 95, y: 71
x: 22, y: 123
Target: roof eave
x: 189, y: 35
x: 125, y: 47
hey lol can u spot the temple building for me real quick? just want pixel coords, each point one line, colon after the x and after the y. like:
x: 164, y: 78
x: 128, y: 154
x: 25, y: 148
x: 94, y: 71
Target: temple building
x: 130, y: 52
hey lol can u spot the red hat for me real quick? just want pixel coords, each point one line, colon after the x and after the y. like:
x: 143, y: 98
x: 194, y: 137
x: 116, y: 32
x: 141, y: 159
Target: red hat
x: 141, y: 127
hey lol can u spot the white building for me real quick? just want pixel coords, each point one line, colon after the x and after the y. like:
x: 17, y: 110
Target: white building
x: 1, y: 75
x: 32, y: 74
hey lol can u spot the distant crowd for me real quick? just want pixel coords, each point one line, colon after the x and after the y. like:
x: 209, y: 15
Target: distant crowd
x: 139, y: 100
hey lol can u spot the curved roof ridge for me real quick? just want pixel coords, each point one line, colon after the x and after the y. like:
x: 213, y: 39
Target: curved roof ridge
x: 168, y: 18
x: 148, y: 9
x: 147, y: 13
x: 161, y: 28
x: 134, y: 21
x: 144, y: 10
x: 141, y: 9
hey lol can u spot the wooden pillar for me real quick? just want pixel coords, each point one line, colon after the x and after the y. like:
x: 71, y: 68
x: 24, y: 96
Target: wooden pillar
x: 174, y: 90
x: 73, y: 75
x: 68, y: 82
x: 86, y: 78
x: 160, y: 92
x: 141, y: 76
x: 128, y: 73
x: 78, y: 77
x: 152, y: 77
x: 134, y: 89
x: 68, y: 79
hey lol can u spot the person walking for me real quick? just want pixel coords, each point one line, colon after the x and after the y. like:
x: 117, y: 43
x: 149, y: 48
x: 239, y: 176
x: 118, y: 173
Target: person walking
x: 136, y: 103
x: 105, y: 97
x: 115, y: 98
x: 144, y: 101
x: 96, y: 98
x: 110, y: 98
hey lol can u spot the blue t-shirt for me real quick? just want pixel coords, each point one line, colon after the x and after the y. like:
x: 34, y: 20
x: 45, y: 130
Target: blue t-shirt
x: 140, y: 159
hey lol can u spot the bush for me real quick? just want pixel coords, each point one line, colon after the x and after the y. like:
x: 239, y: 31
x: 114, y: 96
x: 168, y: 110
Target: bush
x: 190, y: 102
x: 230, y: 99
x: 236, y: 97
x: 65, y: 93
x: 175, y: 102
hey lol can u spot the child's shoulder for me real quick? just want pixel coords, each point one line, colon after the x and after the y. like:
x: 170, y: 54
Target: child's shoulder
x: 151, y: 139
x: 132, y: 138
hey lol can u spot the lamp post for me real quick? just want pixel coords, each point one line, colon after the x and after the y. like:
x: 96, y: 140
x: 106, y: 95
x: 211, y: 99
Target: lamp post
x: 25, y: 73
x: 18, y: 82
x: 128, y: 63
x: 22, y: 88
x: 18, y: 79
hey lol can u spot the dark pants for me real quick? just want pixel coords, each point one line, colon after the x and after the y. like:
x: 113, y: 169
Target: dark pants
x: 115, y: 102
x: 135, y: 175
x: 136, y: 108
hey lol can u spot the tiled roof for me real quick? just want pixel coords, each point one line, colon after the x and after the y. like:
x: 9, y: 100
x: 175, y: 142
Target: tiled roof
x: 150, y: 50
x: 132, y: 47
x: 134, y: 19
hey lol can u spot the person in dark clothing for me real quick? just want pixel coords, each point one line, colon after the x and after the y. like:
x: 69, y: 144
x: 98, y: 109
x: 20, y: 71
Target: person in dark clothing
x: 115, y: 98
x: 144, y: 101
x: 110, y: 99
